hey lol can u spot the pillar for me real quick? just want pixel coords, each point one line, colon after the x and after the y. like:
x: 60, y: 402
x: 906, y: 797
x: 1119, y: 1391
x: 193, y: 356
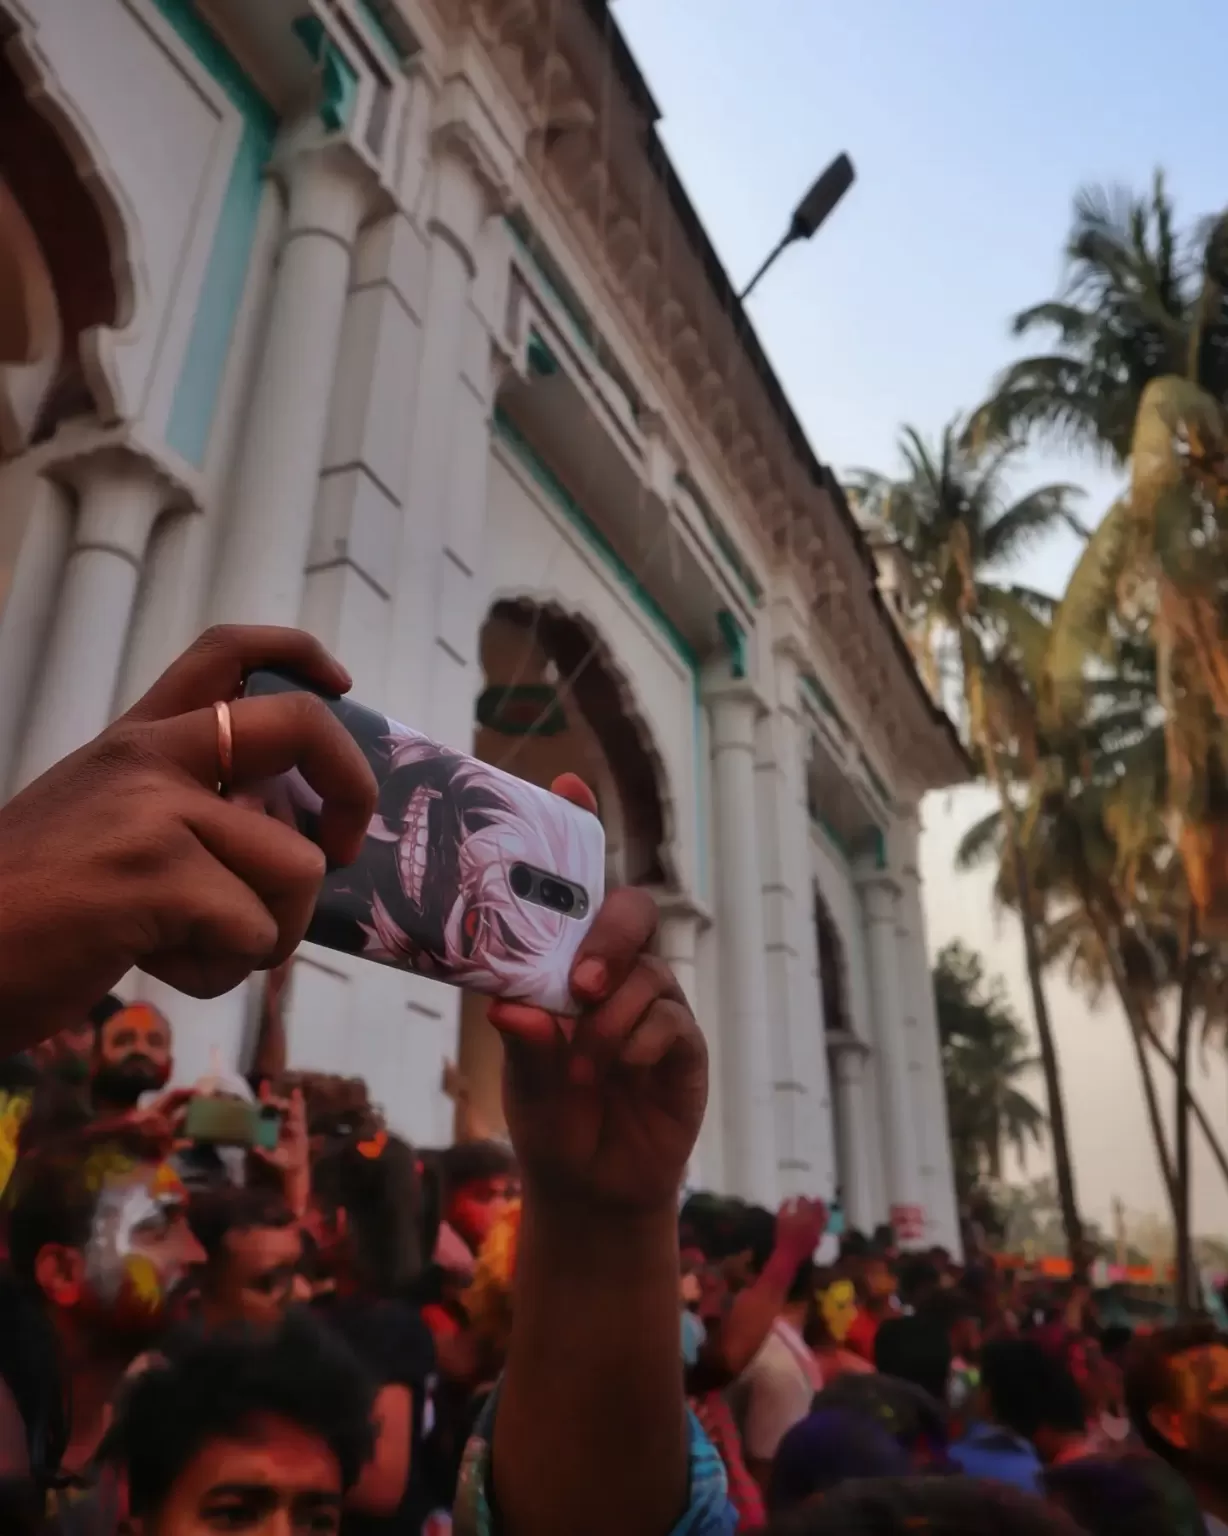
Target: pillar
x: 680, y: 924
x: 746, y: 1045
x: 120, y: 495
x: 938, y: 1174
x: 879, y: 895
x: 29, y: 607
x: 853, y: 1126
x: 801, y: 1093
x: 439, y: 581
x: 264, y: 552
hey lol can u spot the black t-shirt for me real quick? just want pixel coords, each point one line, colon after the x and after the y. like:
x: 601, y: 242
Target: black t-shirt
x: 395, y: 1346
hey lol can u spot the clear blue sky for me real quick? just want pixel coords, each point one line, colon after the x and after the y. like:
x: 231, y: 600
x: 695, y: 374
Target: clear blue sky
x: 971, y: 126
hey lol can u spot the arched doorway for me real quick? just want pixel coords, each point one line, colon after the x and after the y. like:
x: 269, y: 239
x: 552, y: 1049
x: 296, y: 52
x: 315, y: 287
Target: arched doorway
x: 553, y: 702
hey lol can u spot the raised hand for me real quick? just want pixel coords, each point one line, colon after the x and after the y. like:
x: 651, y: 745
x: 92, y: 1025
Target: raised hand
x: 605, y: 1108
x: 125, y: 855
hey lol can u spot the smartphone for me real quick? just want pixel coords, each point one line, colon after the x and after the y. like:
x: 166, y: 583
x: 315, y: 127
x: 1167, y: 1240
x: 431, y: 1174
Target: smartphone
x: 468, y: 875
x: 226, y: 1122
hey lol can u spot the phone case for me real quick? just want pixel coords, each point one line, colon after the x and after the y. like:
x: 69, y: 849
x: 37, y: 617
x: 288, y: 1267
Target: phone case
x: 439, y: 887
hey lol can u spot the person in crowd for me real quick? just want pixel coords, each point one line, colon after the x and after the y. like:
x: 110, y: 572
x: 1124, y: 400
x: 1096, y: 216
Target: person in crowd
x: 1029, y: 1415
x: 936, y: 1506
x: 776, y: 1388
x: 131, y: 1056
x: 1177, y: 1396
x: 958, y: 1315
x: 253, y: 1252
x: 98, y: 1240
x: 915, y: 1349
x: 366, y: 1220
x: 909, y: 1414
x: 477, y: 1183
x: 827, y: 1448
x: 919, y: 1278
x: 876, y: 1301
x: 1135, y: 1495
x: 244, y: 1432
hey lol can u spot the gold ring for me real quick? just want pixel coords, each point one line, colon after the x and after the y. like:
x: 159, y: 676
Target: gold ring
x: 225, y: 747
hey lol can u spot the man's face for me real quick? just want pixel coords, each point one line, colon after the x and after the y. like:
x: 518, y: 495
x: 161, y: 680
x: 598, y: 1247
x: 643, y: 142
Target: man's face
x: 140, y: 1246
x: 1198, y: 1425
x: 475, y: 1207
x: 272, y: 1480
x: 253, y: 1278
x: 132, y: 1056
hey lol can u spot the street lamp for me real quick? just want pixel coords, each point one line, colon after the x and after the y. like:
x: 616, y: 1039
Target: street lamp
x: 810, y: 212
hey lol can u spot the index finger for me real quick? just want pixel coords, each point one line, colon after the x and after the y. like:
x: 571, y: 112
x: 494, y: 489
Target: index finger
x: 214, y: 665
x: 621, y: 931
x: 272, y: 735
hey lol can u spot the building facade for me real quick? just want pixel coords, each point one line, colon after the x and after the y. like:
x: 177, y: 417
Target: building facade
x: 391, y: 319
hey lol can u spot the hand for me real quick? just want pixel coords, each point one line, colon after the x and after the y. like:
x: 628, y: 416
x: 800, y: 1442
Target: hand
x: 800, y: 1224
x: 160, y: 1122
x: 124, y: 855
x: 604, y: 1109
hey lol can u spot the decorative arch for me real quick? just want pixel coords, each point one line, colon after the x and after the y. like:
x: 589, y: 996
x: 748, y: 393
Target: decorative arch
x: 52, y: 173
x: 590, y: 680
x: 833, y: 969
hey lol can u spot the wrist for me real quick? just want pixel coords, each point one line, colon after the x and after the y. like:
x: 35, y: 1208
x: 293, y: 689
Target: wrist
x: 599, y: 1243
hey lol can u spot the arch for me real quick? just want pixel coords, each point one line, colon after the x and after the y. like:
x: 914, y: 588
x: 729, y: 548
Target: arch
x: 833, y: 969
x: 53, y: 169
x: 605, y: 702
x: 31, y: 332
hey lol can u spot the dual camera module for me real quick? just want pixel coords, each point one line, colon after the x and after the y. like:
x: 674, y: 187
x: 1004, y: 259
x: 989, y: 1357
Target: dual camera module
x: 547, y: 891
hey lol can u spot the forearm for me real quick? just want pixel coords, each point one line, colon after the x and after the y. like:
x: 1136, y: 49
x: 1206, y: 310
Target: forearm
x: 591, y: 1429
x: 754, y: 1310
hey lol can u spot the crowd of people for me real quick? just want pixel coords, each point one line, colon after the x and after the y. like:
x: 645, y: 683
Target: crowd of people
x: 250, y: 1306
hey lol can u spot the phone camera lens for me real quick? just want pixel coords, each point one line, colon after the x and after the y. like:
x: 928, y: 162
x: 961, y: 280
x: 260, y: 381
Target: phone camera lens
x: 521, y: 881
x: 557, y: 896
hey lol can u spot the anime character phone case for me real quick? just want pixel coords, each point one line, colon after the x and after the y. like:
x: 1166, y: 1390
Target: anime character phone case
x: 467, y: 875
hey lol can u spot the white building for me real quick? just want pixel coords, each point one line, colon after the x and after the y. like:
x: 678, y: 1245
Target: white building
x: 391, y: 318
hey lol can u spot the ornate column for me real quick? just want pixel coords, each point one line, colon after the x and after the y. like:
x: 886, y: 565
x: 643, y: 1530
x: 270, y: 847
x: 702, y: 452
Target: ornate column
x: 746, y: 1047
x: 439, y: 589
x: 121, y: 491
x: 29, y: 604
x: 853, y: 1126
x: 802, y: 1097
x: 682, y: 920
x: 264, y: 551
x: 880, y: 896
x: 937, y: 1172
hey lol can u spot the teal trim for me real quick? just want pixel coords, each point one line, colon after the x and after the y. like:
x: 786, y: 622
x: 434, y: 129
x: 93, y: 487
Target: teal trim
x: 542, y: 362
x: 831, y: 834
x: 550, y: 482
x: 200, y: 380
x: 720, y: 537
x: 338, y: 77
x: 879, y: 787
x: 380, y: 34
x: 545, y: 477
x: 734, y: 637
x: 820, y: 696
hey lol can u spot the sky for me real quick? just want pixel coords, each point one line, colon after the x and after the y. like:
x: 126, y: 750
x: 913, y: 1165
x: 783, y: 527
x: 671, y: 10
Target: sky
x: 971, y: 126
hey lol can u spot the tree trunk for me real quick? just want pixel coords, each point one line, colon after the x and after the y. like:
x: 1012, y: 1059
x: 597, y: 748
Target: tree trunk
x: 1140, y: 1032
x: 1200, y: 1115
x: 1063, y: 1166
x: 1186, y: 1299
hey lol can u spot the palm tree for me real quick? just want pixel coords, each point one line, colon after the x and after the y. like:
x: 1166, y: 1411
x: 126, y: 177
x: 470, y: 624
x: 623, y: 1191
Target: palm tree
x: 952, y: 514
x: 1132, y: 309
x: 984, y: 1054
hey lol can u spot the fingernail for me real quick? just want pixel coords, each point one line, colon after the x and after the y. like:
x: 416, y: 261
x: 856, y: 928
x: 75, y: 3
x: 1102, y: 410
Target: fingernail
x: 590, y: 977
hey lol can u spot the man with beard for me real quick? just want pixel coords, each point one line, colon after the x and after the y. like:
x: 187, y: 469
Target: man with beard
x: 98, y: 1240
x: 131, y: 1056
x: 1177, y: 1396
